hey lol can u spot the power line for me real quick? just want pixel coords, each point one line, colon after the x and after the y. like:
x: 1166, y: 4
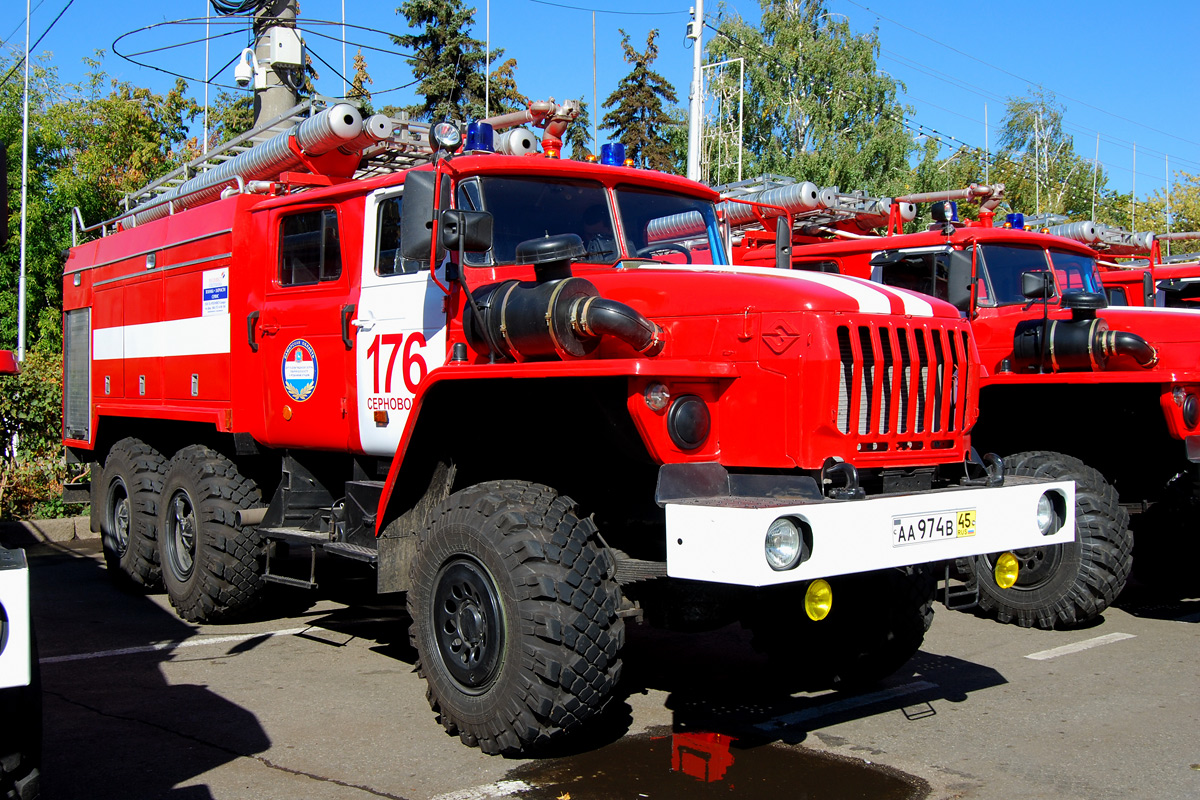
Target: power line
x: 19, y: 24
x: 21, y: 60
x: 610, y: 11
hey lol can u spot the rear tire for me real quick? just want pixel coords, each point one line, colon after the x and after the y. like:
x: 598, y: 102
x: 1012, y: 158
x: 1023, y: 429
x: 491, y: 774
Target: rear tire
x: 1061, y: 586
x: 514, y: 608
x: 132, y: 488
x: 876, y: 624
x: 212, y: 567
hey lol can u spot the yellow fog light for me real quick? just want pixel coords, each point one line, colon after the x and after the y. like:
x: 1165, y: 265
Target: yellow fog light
x: 818, y: 600
x: 1006, y: 570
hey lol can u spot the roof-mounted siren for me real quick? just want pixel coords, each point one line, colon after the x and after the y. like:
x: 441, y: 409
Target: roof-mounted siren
x: 1014, y: 221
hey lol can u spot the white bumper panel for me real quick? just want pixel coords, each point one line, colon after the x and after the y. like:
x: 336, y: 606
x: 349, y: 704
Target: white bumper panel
x: 14, y: 624
x: 723, y: 543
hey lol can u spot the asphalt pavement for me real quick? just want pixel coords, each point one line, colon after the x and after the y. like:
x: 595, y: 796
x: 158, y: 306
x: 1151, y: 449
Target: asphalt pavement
x: 314, y: 696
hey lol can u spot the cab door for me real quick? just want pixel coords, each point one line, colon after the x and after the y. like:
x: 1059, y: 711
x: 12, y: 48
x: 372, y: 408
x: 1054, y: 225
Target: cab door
x: 303, y: 332
x: 400, y: 324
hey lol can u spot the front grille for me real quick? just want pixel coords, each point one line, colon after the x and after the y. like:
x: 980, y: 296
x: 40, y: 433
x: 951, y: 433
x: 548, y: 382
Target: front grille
x: 896, y: 380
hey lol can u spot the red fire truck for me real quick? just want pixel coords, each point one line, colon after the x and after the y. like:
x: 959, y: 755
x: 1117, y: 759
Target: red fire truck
x: 1062, y: 371
x: 509, y: 387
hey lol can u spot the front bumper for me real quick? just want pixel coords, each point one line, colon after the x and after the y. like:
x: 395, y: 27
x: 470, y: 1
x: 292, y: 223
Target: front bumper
x: 15, y: 650
x: 721, y: 538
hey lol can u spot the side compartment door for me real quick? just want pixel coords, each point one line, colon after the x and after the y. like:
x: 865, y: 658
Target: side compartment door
x: 401, y: 327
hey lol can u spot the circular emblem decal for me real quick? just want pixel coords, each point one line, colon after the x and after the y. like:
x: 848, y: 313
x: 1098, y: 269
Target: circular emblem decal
x: 299, y: 370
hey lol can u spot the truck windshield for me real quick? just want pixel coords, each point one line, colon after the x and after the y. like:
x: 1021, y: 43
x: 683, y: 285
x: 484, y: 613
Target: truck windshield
x: 526, y: 208
x: 1001, y: 266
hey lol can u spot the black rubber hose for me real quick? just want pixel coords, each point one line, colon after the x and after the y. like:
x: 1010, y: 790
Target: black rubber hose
x: 1130, y: 344
x: 595, y: 316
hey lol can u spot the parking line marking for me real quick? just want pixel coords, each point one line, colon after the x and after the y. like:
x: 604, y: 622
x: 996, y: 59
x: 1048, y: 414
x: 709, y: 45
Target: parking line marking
x: 152, y: 648
x: 1086, y: 644
x: 796, y: 717
x: 498, y: 789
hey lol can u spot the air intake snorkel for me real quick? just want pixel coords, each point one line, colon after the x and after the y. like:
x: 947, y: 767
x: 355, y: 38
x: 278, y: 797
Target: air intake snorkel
x: 1082, y: 343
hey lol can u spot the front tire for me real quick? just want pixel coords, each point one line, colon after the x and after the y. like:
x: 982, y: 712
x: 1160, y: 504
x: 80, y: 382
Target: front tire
x: 514, y: 609
x: 1062, y: 586
x: 132, y: 484
x: 212, y: 567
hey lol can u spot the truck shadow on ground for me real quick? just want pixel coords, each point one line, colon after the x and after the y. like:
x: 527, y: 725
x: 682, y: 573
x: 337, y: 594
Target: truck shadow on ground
x: 115, y: 727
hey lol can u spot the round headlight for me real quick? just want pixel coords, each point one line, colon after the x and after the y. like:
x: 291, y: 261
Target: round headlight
x: 1006, y: 570
x: 818, y: 600
x: 1045, y: 515
x: 783, y: 544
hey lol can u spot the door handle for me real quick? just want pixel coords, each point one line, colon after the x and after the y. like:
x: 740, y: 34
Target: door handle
x: 251, y: 320
x: 270, y: 328
x: 363, y: 324
x: 347, y: 313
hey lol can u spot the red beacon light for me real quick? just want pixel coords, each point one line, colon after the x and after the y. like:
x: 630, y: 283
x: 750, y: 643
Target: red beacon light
x: 551, y: 152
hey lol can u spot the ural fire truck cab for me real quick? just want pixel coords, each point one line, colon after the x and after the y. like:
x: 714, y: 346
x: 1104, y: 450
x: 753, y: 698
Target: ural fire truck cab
x: 1145, y: 278
x: 1062, y: 373
x: 509, y: 386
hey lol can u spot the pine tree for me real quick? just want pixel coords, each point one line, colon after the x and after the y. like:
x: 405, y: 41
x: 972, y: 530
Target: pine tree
x: 579, y: 135
x: 446, y: 61
x: 638, y: 118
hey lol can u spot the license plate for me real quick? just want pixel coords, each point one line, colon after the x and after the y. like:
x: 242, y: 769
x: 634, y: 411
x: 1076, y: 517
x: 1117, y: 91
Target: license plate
x: 932, y: 527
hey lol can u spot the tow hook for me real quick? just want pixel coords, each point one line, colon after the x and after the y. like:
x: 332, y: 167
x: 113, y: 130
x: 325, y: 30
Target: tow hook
x: 991, y: 465
x: 844, y: 473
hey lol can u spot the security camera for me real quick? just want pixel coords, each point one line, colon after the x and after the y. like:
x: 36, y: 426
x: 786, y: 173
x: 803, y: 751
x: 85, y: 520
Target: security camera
x: 246, y: 68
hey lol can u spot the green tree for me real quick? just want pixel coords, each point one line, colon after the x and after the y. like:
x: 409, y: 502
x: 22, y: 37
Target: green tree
x: 504, y: 95
x: 447, y: 61
x: 90, y: 143
x: 1037, y: 161
x: 819, y: 107
x: 229, y: 116
x: 639, y: 116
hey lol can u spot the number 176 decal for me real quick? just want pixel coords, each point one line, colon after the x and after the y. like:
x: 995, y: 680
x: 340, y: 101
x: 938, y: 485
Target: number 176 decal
x: 400, y: 343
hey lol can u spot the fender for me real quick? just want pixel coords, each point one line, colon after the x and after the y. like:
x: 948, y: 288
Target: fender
x: 626, y: 367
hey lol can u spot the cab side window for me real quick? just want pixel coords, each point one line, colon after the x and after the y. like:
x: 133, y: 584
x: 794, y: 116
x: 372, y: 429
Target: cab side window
x: 388, y: 255
x: 310, y: 249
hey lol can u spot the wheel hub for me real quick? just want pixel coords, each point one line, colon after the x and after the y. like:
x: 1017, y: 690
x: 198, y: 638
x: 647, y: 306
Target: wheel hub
x: 1037, y: 565
x: 467, y: 624
x: 119, y: 516
x: 181, y: 536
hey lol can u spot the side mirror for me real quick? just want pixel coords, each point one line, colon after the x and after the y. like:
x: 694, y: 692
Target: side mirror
x: 783, y: 241
x: 1037, y: 285
x: 469, y: 230
x: 958, y: 280
x: 417, y: 215
x: 1147, y: 289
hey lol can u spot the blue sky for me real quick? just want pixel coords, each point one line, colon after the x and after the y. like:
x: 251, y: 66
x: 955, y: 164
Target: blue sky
x: 1122, y: 70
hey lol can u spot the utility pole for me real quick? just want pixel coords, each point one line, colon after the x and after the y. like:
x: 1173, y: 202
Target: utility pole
x: 696, y: 108
x: 278, y: 96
